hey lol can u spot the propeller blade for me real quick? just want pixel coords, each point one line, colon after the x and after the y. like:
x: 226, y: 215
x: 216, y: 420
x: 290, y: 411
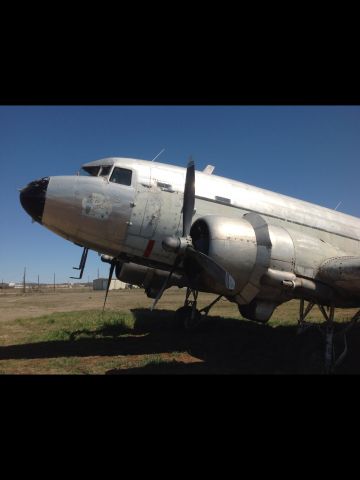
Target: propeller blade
x: 112, y: 266
x: 173, y: 244
x: 166, y: 283
x: 213, y: 269
x: 189, y: 198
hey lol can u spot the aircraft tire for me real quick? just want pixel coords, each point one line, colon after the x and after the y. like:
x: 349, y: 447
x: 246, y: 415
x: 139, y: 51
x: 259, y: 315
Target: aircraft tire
x: 183, y: 318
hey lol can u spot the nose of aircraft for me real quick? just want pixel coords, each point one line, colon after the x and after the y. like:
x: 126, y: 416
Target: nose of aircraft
x: 32, y: 198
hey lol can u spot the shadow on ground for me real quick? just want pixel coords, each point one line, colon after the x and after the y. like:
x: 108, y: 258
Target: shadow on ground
x: 221, y: 346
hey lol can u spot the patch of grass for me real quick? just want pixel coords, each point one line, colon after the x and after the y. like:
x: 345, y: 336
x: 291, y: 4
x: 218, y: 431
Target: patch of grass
x: 68, y: 326
x: 141, y: 341
x: 152, y: 360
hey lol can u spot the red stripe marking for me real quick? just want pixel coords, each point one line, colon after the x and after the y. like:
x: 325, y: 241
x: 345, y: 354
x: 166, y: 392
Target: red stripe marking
x: 149, y: 248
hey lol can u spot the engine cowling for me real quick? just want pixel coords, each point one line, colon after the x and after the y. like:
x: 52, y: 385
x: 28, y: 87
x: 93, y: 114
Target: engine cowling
x: 247, y: 247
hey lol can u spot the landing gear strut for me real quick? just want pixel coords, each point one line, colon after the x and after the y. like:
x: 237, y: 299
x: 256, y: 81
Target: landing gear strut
x: 189, y: 316
x: 331, y: 362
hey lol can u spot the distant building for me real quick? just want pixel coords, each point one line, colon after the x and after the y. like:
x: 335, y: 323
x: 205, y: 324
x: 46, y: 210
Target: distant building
x: 101, y: 284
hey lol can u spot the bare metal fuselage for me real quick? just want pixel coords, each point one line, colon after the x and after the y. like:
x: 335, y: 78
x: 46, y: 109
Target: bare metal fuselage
x: 131, y: 222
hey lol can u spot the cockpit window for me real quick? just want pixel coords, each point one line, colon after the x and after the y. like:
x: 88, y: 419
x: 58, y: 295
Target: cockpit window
x: 98, y: 171
x: 94, y: 171
x: 122, y: 176
x: 105, y: 171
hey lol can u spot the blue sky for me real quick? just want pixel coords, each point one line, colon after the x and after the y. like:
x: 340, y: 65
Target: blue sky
x: 308, y: 152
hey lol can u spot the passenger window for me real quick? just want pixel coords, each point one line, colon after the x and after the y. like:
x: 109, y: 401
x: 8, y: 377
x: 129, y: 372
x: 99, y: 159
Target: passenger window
x: 121, y: 176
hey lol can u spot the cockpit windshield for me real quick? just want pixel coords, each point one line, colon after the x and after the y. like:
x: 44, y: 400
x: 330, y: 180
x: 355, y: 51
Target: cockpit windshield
x: 98, y: 171
x: 94, y: 171
x: 105, y: 171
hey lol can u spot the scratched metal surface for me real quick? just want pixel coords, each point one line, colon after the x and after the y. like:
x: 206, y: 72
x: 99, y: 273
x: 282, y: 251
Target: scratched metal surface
x: 89, y: 211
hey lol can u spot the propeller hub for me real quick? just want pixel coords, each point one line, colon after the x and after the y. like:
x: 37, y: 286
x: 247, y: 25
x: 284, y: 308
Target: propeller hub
x: 176, y: 244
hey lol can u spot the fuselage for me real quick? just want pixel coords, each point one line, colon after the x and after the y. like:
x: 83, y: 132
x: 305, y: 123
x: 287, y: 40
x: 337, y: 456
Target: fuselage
x: 129, y: 209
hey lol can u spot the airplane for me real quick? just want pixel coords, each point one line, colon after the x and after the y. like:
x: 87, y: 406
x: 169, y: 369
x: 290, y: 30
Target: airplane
x: 160, y: 225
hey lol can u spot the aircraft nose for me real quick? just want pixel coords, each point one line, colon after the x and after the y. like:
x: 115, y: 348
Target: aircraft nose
x: 32, y: 198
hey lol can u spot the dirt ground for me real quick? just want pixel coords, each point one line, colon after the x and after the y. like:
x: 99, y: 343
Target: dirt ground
x: 34, y: 304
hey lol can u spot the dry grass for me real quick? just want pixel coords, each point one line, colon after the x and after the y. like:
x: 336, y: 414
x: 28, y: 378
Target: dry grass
x: 65, y: 333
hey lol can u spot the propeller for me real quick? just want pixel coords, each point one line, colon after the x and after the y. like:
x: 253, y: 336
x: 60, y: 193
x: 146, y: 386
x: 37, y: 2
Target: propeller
x: 213, y: 269
x: 184, y: 247
x: 189, y: 197
x: 111, y: 271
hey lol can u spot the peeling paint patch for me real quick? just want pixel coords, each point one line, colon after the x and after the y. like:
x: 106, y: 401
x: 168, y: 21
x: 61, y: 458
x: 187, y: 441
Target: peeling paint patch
x: 96, y: 205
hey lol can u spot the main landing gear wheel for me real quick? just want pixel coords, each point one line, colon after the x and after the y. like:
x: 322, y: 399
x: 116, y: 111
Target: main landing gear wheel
x: 188, y: 318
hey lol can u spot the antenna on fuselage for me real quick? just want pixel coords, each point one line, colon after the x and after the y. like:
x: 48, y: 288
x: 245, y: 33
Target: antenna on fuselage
x: 338, y: 205
x: 158, y: 155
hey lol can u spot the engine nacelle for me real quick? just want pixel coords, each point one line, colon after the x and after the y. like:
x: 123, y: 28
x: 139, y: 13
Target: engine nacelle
x: 230, y: 242
x: 247, y: 247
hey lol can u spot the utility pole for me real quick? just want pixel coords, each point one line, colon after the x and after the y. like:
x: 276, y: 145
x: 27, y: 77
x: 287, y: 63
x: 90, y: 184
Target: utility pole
x: 98, y: 274
x: 54, y: 281
x: 24, y: 281
x: 38, y: 282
